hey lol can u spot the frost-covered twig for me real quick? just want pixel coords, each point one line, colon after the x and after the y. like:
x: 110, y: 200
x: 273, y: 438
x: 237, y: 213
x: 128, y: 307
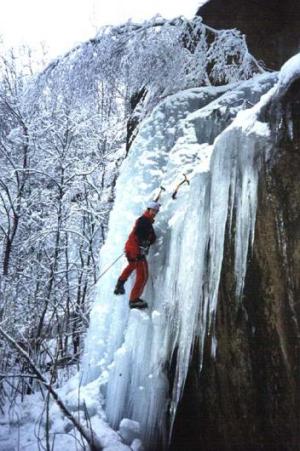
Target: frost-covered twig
x: 18, y: 375
x: 89, y: 436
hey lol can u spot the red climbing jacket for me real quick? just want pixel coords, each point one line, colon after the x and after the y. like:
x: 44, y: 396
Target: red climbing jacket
x: 142, y: 236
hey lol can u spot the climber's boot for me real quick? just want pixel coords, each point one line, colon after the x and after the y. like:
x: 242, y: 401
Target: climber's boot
x: 138, y: 303
x: 120, y: 289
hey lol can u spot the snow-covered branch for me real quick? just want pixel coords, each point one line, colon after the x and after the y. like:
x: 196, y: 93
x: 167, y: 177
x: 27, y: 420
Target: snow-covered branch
x: 89, y: 435
x: 159, y: 55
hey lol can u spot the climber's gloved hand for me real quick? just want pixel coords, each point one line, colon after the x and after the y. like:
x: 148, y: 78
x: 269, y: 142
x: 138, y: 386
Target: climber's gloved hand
x: 144, y: 250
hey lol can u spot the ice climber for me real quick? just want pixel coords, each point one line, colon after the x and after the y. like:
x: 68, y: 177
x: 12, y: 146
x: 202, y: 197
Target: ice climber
x: 136, y: 249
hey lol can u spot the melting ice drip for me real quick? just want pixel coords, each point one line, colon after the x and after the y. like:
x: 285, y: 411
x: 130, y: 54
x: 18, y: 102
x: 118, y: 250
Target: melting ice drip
x: 130, y: 352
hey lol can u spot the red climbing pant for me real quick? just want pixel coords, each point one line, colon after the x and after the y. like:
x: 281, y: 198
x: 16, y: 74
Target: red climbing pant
x: 141, y: 268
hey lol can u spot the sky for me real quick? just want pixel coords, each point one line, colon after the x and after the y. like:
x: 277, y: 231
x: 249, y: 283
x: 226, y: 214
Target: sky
x: 65, y: 23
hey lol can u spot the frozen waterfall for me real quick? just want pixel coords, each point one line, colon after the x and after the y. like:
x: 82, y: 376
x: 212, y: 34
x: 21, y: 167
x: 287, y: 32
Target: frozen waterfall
x: 140, y: 359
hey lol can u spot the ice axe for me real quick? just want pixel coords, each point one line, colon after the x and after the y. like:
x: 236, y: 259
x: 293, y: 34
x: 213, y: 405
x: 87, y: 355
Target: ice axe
x: 179, y: 185
x: 159, y: 194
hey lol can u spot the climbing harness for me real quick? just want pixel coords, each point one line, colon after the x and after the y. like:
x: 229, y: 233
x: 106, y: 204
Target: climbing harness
x: 185, y: 180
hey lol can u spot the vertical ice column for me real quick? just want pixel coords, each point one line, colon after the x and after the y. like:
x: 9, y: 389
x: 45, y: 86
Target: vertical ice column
x: 135, y: 349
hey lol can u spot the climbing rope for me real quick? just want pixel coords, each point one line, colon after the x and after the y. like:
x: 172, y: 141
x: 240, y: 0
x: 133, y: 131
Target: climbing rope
x: 107, y: 269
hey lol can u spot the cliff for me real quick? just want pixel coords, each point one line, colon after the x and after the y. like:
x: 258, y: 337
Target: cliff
x: 212, y: 363
x: 247, y: 398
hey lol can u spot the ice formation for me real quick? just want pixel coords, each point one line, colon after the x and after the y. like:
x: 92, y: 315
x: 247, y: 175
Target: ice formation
x: 290, y: 71
x: 140, y: 359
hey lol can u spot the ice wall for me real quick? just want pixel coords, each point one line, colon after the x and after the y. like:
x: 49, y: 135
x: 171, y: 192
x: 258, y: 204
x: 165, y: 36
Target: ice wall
x: 140, y: 358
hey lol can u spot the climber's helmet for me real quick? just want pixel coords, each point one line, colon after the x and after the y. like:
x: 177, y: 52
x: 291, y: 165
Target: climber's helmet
x: 152, y: 205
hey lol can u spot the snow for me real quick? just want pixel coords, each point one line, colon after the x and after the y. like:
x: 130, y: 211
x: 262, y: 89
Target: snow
x: 289, y: 72
x: 129, y: 430
x: 213, y: 136
x: 24, y: 422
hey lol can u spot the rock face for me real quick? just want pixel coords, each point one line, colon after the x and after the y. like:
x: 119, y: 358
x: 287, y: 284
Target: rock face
x: 248, y: 397
x: 271, y: 26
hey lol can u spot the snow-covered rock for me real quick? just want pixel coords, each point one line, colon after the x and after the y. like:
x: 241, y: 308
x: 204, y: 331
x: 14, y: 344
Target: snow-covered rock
x: 129, y: 430
x: 289, y: 72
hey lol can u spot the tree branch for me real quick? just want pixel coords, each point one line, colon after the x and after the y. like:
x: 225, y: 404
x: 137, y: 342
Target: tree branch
x: 88, y: 435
